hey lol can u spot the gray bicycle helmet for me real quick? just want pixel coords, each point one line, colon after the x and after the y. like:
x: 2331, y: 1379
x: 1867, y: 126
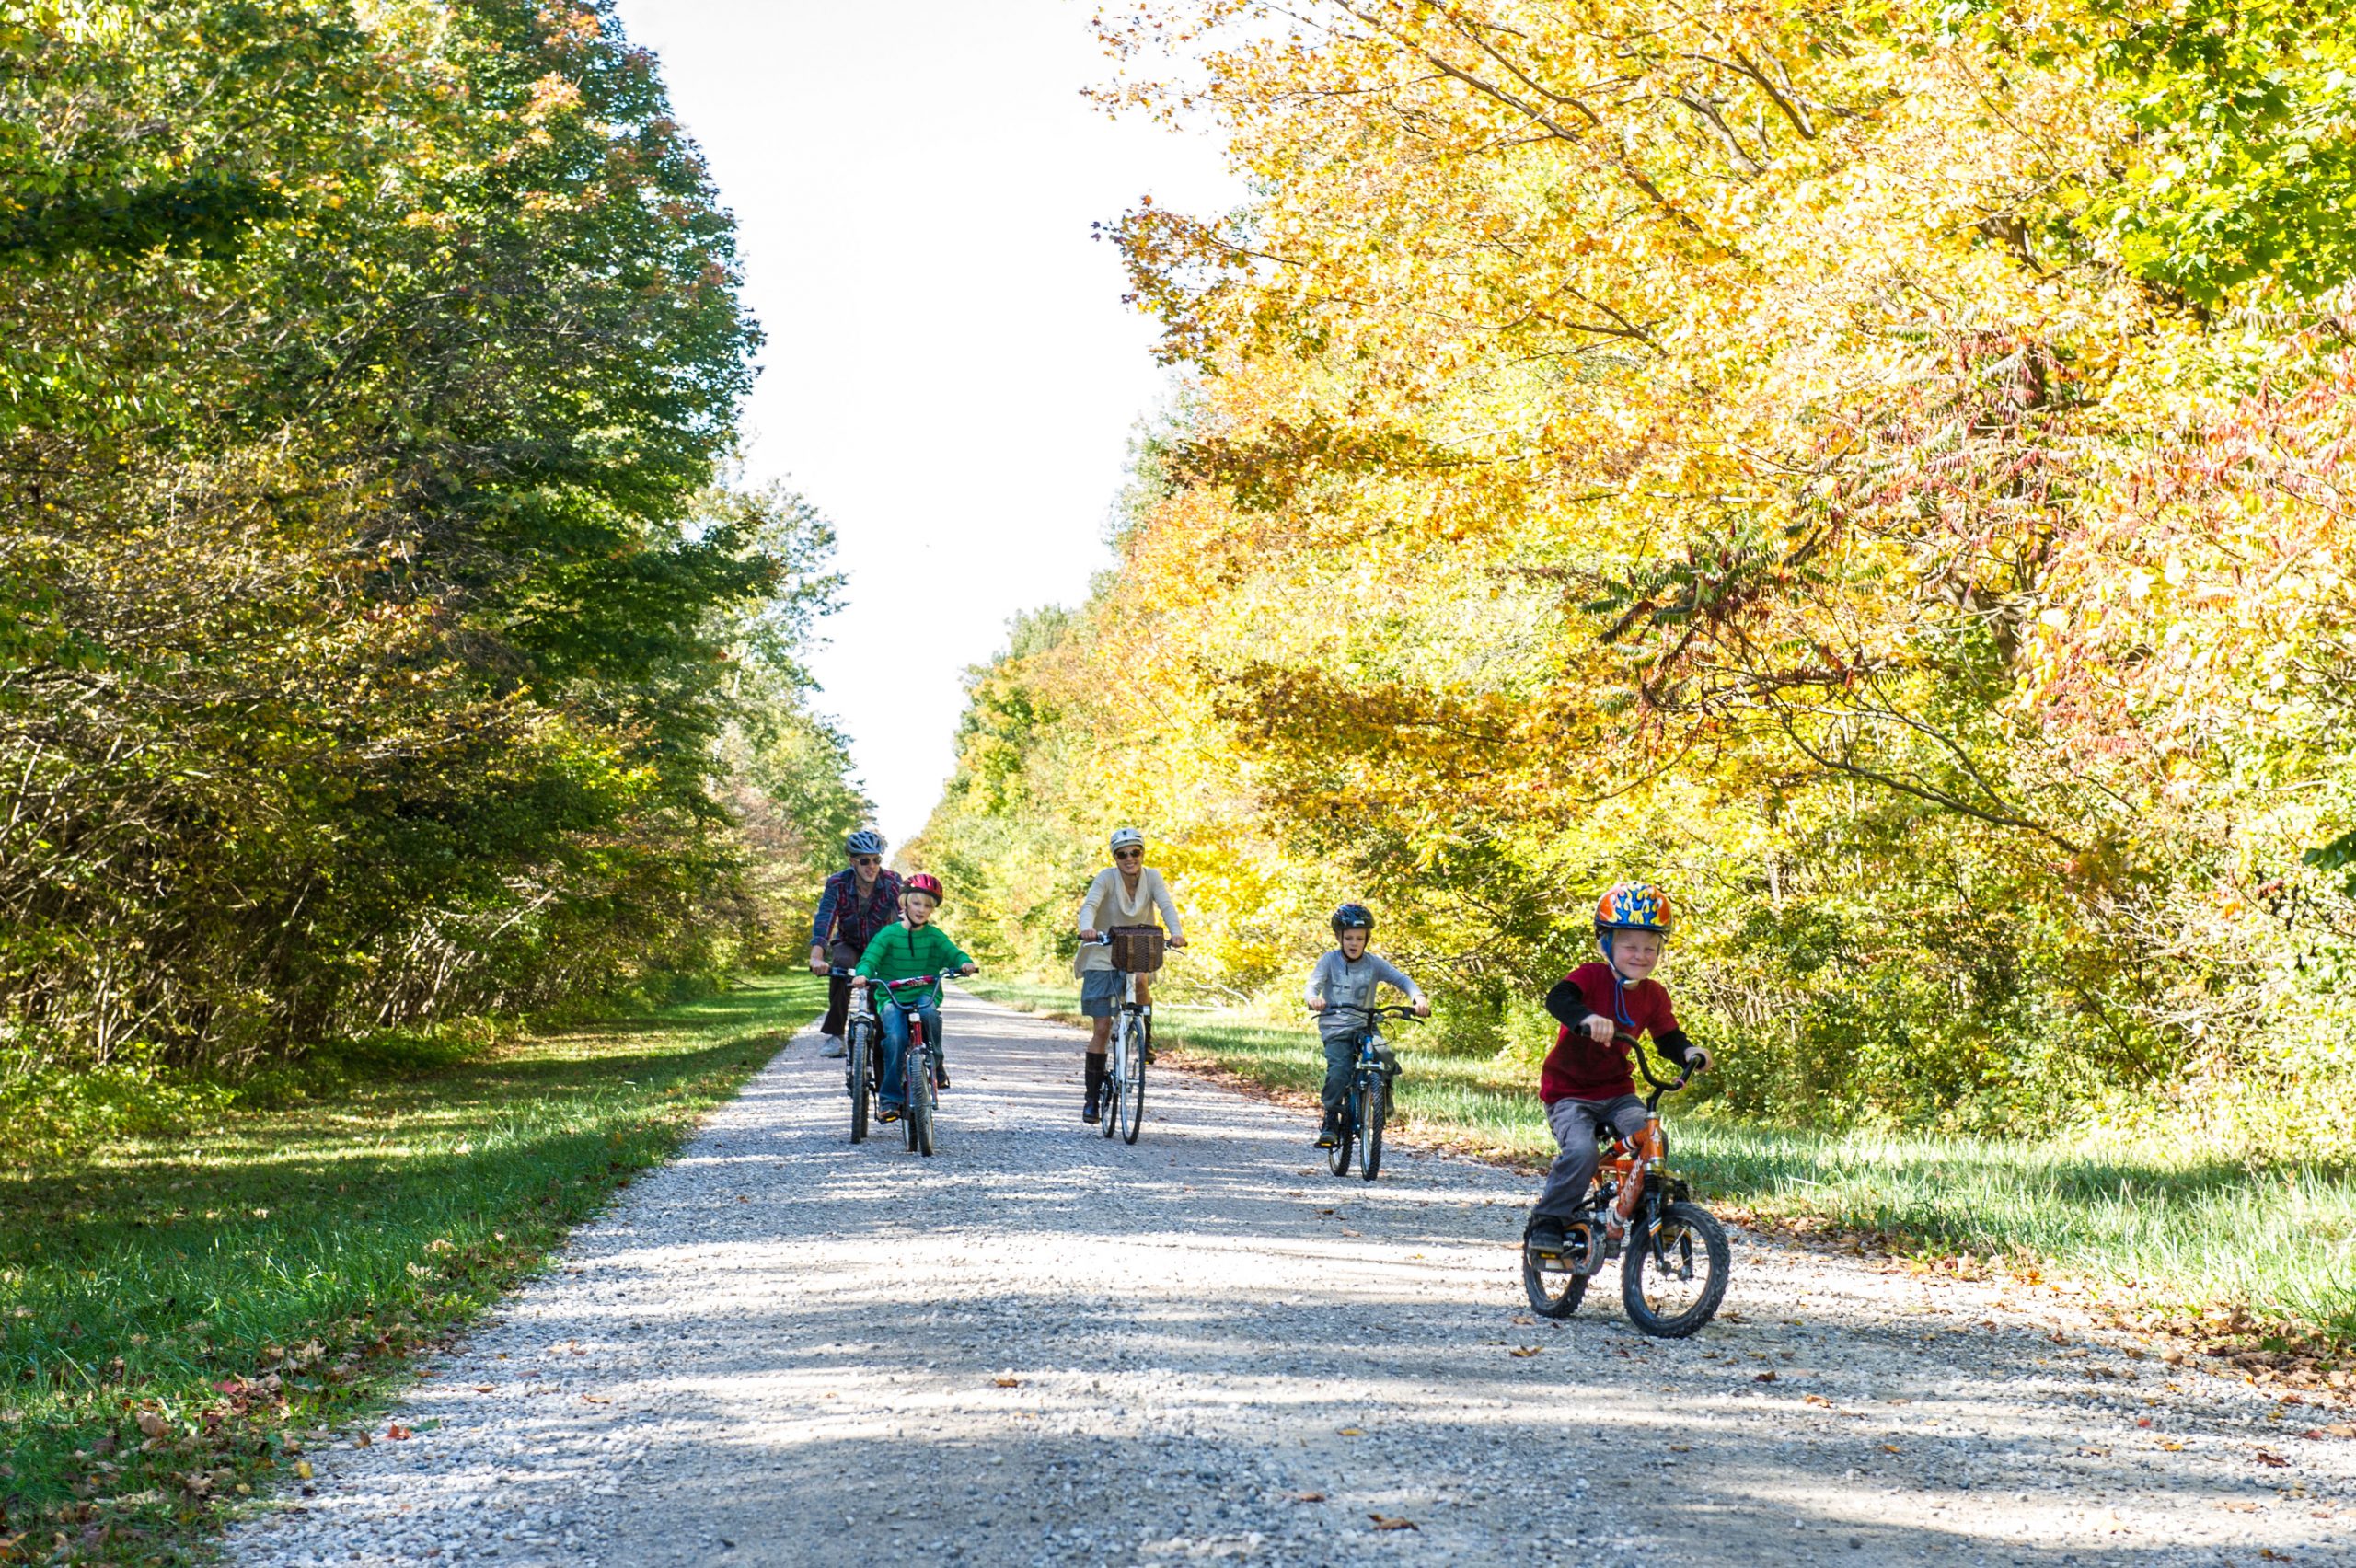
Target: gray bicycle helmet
x: 866, y: 841
x: 1353, y: 918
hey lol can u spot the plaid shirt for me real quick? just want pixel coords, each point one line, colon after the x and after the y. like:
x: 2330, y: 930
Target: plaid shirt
x: 841, y: 911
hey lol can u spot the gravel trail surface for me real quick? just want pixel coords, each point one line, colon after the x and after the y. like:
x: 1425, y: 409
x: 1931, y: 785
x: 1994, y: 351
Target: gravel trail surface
x: 1045, y: 1347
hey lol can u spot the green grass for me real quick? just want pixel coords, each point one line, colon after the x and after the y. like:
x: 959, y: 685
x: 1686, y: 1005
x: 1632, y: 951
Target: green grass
x: 2172, y: 1229
x: 176, y: 1315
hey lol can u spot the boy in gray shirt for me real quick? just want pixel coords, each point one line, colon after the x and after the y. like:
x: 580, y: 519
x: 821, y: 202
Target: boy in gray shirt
x: 1343, y: 981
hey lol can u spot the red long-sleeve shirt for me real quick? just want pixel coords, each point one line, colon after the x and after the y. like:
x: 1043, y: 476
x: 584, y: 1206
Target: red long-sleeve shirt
x: 1579, y: 1068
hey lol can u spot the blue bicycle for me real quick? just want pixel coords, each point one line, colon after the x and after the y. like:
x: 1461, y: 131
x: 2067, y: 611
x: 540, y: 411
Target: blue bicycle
x: 1367, y: 1104
x: 862, y: 1040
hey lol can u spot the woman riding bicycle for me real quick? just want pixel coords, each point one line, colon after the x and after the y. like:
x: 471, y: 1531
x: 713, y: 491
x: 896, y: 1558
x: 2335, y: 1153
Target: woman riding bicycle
x: 1126, y: 893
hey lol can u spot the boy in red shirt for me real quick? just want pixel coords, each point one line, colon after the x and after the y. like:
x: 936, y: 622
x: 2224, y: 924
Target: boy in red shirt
x: 1588, y: 1081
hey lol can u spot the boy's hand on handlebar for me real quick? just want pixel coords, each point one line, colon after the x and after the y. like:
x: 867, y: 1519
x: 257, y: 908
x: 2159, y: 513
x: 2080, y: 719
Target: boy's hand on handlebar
x: 1597, y: 1027
x: 969, y: 969
x: 1423, y: 1007
x: 1316, y: 1004
x: 1698, y: 1059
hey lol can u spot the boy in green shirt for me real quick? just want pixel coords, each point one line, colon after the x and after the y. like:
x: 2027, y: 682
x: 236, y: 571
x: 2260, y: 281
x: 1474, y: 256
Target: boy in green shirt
x: 902, y: 951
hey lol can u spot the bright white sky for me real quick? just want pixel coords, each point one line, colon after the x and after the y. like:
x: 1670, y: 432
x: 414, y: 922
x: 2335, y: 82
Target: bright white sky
x: 950, y: 375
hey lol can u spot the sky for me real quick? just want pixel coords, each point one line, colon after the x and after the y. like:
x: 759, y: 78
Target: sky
x: 950, y: 372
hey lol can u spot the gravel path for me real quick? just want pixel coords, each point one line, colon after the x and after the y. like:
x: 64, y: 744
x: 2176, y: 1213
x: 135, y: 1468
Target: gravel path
x: 1044, y: 1347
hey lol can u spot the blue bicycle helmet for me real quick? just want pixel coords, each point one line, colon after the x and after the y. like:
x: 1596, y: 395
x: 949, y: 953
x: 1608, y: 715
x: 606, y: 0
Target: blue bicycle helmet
x: 866, y: 841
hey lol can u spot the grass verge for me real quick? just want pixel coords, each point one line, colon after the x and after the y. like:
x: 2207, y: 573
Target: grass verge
x: 2263, y: 1259
x: 179, y: 1315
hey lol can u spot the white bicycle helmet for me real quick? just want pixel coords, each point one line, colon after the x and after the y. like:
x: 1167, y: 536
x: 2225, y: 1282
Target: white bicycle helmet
x: 1127, y: 837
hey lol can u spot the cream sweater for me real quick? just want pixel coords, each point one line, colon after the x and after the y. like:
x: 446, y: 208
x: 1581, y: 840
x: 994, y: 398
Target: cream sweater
x: 1108, y: 905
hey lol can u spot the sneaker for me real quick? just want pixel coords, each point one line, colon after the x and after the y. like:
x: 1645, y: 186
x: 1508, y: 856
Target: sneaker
x: 1328, y: 1136
x: 834, y: 1046
x: 1089, y: 1114
x: 1546, y: 1237
x: 887, y: 1112
x: 940, y: 1078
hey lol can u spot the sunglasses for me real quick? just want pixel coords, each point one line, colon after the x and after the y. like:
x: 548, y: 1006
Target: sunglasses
x: 866, y: 860
x: 1128, y: 854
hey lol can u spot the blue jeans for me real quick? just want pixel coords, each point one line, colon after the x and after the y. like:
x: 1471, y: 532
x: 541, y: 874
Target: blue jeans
x: 892, y: 1092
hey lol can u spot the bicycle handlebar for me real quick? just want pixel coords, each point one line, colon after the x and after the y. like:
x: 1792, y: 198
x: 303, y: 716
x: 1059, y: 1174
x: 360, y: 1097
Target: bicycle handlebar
x: 1392, y: 1012
x: 1644, y: 1064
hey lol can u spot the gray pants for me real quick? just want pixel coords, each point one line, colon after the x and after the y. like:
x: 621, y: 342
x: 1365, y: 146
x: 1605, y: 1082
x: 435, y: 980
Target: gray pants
x: 1575, y: 1125
x: 1341, y: 1057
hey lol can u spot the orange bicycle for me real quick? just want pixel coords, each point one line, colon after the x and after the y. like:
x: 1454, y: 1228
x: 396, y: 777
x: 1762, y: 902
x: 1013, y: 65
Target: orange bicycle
x: 1673, y: 1253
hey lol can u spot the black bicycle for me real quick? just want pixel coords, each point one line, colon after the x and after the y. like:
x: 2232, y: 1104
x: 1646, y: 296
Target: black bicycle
x: 862, y: 1051
x: 1674, y: 1257
x: 1366, y: 1108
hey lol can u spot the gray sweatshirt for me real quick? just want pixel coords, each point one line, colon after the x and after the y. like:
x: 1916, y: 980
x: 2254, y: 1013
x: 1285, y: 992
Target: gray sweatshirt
x: 1346, y: 984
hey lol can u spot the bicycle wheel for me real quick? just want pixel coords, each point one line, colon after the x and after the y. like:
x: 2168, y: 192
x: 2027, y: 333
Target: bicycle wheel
x: 1555, y: 1285
x: 1370, y: 1120
x: 1133, y: 1081
x: 1337, y: 1159
x: 912, y: 1084
x: 1674, y: 1273
x: 923, y: 1101
x: 861, y: 1092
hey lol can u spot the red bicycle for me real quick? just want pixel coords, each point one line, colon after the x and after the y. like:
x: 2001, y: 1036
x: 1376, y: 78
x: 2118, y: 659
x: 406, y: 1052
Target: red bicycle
x: 920, y: 1067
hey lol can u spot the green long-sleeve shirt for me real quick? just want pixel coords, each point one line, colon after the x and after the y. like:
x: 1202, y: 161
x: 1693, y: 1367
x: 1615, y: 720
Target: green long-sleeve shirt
x: 900, y: 950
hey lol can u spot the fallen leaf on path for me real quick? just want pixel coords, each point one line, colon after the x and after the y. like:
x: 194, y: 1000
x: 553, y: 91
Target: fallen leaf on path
x: 1390, y: 1522
x: 2238, y: 1506
x: 1349, y: 1432
x: 1308, y: 1497
x: 486, y: 1388
x: 1681, y: 1447
x: 1816, y: 1400
x: 153, y: 1424
x: 1001, y: 1382
x: 2313, y: 1434
x: 1349, y: 1232
x: 398, y: 1433
x: 594, y: 1399
x: 2275, y: 1460
x: 1763, y: 1377
x: 2173, y: 1447
x: 1891, y: 1448
x: 364, y: 1441
x: 2341, y: 1429
x: 2143, y: 1421
x: 742, y: 1199
x: 1525, y: 1321
x: 302, y: 1470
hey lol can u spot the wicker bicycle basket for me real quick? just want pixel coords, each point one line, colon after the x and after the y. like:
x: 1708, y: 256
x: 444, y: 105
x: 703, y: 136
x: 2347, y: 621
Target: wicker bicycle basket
x: 1138, y: 950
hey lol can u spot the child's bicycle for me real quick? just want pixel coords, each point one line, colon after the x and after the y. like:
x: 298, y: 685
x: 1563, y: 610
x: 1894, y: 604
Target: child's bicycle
x: 1139, y: 951
x: 1366, y: 1106
x: 863, y: 1046
x: 919, y: 1069
x: 1673, y: 1257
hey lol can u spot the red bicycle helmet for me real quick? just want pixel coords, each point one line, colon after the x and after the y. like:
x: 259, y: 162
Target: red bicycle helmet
x: 925, y: 883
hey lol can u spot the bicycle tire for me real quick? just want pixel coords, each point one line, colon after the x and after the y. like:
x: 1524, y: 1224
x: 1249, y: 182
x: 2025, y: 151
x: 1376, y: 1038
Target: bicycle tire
x: 1553, y: 1292
x: 1370, y: 1120
x: 1337, y: 1159
x: 911, y: 1069
x: 1686, y: 1221
x: 924, y: 1101
x: 861, y: 1093
x: 1133, y: 1089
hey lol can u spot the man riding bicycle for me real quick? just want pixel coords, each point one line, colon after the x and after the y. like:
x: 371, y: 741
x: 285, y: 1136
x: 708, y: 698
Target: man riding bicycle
x: 858, y: 902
